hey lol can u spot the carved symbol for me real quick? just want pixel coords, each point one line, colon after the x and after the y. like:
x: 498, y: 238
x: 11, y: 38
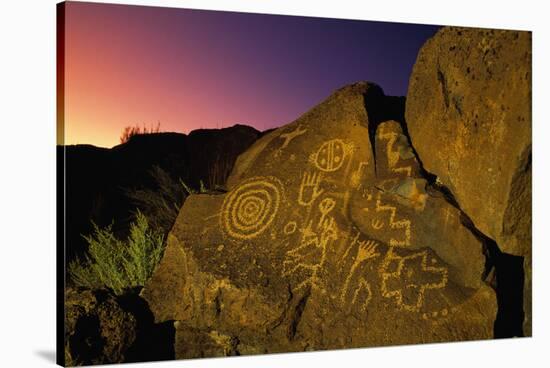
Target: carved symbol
x: 376, y: 224
x: 300, y: 258
x: 288, y: 137
x: 366, y: 250
x: 412, y: 278
x: 330, y: 156
x: 394, y: 224
x: 357, y: 174
x: 290, y: 228
x: 325, y: 207
x: 363, y: 285
x: 249, y: 209
x: 393, y: 155
x: 366, y: 193
x: 309, y: 188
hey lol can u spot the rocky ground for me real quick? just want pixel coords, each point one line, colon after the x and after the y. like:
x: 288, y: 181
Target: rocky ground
x: 370, y: 220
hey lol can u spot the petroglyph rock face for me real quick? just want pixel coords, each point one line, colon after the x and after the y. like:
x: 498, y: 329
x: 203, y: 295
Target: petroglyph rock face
x: 469, y: 117
x: 328, y: 237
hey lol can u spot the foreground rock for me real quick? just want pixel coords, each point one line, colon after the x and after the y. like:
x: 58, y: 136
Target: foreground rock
x: 97, y: 329
x: 469, y: 116
x: 103, y: 328
x: 329, y: 237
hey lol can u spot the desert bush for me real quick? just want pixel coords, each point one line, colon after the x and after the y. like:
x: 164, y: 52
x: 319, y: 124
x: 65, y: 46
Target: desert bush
x: 130, y: 131
x: 218, y: 172
x: 115, y: 264
x: 162, y: 204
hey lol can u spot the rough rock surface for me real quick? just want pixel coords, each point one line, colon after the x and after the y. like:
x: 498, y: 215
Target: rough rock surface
x: 468, y: 113
x: 97, y: 329
x: 329, y: 237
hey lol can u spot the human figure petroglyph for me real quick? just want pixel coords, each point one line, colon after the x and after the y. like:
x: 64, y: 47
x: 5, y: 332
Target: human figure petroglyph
x: 289, y: 136
x: 309, y: 188
x: 306, y: 256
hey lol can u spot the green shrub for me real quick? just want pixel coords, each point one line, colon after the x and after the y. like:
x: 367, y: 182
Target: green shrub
x: 162, y: 204
x: 116, y: 264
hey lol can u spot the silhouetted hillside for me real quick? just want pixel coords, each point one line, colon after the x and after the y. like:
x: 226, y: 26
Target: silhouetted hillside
x: 96, y: 178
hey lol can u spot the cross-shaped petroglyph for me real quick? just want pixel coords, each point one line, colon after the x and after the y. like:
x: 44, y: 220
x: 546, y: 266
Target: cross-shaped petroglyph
x: 412, y: 277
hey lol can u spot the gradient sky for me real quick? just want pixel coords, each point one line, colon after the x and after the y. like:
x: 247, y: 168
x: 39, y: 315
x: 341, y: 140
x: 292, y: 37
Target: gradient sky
x: 189, y: 69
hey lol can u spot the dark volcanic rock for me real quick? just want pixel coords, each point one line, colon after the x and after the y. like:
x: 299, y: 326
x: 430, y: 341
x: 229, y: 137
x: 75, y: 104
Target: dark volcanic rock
x: 97, y: 329
x: 468, y: 113
x: 329, y: 237
x: 101, y: 328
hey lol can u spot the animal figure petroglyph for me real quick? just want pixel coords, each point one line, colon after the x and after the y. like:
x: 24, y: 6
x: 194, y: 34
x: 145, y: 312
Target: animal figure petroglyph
x: 289, y: 136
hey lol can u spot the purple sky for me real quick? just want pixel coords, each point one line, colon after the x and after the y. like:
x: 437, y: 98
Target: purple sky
x: 188, y: 69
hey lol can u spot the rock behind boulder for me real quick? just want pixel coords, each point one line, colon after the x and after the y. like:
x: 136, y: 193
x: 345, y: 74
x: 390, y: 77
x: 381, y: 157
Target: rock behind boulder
x: 468, y: 113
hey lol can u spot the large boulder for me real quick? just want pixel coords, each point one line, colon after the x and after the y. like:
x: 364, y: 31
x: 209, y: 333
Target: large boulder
x: 329, y: 237
x: 468, y: 113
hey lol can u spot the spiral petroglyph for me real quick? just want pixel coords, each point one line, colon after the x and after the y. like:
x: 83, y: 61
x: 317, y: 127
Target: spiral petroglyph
x: 249, y: 209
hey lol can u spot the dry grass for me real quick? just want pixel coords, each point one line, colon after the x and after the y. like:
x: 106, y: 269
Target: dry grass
x: 130, y: 131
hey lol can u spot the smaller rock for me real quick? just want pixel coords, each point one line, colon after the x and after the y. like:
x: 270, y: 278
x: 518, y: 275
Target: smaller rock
x: 97, y: 329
